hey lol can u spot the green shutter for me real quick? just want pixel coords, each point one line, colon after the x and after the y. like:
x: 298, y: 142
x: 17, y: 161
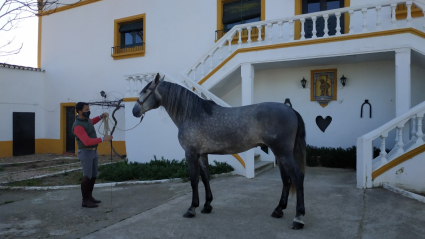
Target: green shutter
x: 137, y: 26
x: 240, y: 10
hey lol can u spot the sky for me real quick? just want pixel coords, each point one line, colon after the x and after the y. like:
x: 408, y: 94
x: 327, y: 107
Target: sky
x: 26, y: 33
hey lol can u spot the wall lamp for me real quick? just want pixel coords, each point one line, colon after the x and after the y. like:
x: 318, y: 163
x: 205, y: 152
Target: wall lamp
x: 303, y: 82
x: 343, y: 80
x: 103, y: 94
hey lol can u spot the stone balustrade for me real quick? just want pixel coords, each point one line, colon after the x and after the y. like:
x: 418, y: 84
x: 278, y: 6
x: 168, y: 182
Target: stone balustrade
x: 136, y: 82
x: 282, y: 30
x: 366, y: 164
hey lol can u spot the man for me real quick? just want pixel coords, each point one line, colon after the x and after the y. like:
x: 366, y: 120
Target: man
x: 87, y: 140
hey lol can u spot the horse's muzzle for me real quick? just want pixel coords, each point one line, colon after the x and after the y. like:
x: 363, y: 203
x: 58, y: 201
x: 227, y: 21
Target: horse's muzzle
x: 136, y: 112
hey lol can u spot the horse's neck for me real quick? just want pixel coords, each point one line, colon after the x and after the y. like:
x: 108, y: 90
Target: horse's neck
x: 163, y: 92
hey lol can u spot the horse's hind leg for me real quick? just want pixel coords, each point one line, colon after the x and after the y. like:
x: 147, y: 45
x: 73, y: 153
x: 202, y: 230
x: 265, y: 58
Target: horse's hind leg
x: 278, y: 211
x: 193, y: 163
x: 203, y: 163
x: 297, y: 178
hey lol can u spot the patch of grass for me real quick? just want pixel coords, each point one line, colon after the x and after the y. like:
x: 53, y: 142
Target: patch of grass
x: 7, y: 202
x: 154, y: 170
x: 1, y: 169
x: 33, y: 165
x: 28, y: 182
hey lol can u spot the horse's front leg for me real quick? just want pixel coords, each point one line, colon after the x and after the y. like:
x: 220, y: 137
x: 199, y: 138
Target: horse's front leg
x: 193, y: 163
x: 205, y: 175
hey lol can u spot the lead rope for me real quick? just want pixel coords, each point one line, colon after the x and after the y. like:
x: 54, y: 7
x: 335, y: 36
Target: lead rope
x: 106, y: 131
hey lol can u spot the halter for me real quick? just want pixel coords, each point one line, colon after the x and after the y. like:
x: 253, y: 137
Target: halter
x: 153, y: 90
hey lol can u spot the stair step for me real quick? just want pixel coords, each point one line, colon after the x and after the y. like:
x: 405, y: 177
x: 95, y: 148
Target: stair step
x: 262, y: 166
x: 257, y: 158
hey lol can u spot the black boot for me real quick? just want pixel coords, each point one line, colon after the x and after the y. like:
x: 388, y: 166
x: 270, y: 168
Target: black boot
x: 85, y: 191
x: 92, y: 199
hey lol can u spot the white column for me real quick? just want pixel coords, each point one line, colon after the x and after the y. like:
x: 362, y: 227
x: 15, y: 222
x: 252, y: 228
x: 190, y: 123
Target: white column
x: 326, y: 30
x: 393, y: 20
x: 128, y: 79
x: 364, y: 25
x: 338, y: 24
x: 249, y: 35
x: 351, y: 13
x: 302, y: 20
x: 280, y: 23
x: 291, y: 30
x: 247, y: 73
x: 378, y: 18
x: 270, y: 35
x: 402, y: 81
x: 240, y: 38
x: 314, y: 27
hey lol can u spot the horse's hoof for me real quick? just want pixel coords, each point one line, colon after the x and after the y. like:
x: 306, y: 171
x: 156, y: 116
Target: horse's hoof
x: 189, y: 215
x: 297, y: 225
x: 207, y: 209
x: 277, y: 214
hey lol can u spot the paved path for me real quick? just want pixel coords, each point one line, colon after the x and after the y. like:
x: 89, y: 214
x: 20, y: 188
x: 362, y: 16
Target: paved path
x: 335, y: 208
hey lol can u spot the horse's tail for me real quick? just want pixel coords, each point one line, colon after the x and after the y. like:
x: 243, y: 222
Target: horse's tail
x: 299, y: 147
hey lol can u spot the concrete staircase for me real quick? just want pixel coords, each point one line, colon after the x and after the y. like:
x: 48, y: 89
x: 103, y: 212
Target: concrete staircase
x: 261, y: 166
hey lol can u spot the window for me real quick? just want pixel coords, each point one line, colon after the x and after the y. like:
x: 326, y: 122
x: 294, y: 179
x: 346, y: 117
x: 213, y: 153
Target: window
x: 129, y: 37
x: 401, y: 12
x: 310, y: 6
x: 131, y: 34
x: 234, y: 12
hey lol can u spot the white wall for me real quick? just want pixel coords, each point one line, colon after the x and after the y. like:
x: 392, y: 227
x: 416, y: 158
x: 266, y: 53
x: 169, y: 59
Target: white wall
x: 418, y: 84
x: 21, y: 91
x: 407, y: 175
x: 365, y: 81
x: 76, y: 47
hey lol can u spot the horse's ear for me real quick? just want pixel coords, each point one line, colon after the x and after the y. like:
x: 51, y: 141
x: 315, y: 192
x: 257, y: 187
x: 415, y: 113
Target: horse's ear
x: 156, y: 79
x: 162, y: 78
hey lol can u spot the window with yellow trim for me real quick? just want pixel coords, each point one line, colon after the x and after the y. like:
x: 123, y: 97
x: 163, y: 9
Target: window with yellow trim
x: 310, y: 6
x: 129, y: 37
x: 233, y: 12
x: 401, y: 12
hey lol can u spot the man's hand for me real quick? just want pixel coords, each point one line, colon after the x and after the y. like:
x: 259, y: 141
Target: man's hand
x: 103, y: 116
x: 108, y: 138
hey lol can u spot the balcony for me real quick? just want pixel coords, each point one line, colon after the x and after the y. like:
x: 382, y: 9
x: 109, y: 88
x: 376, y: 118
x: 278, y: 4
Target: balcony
x: 361, y: 22
x: 128, y: 51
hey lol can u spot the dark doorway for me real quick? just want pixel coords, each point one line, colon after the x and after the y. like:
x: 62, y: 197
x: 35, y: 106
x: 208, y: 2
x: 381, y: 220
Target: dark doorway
x: 70, y: 138
x: 23, y: 133
x: 310, y: 6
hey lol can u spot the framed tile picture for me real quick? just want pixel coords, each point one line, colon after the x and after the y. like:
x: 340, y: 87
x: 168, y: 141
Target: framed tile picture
x: 323, y: 86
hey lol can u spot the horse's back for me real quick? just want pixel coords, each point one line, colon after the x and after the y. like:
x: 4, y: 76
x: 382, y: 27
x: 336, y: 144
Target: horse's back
x: 237, y: 129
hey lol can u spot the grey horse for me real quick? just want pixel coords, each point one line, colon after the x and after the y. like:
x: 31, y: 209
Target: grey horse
x: 207, y: 128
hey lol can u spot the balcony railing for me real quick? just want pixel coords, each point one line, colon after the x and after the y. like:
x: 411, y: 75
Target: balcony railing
x: 220, y: 33
x: 115, y: 50
x: 282, y: 30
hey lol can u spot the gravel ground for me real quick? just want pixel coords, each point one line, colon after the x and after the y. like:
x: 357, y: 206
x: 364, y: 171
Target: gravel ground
x: 24, y: 167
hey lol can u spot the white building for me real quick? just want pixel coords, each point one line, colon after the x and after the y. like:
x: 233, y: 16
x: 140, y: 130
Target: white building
x: 117, y: 46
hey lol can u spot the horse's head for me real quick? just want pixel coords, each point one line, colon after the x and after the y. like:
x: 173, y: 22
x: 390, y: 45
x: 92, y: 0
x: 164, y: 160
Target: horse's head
x: 149, y: 98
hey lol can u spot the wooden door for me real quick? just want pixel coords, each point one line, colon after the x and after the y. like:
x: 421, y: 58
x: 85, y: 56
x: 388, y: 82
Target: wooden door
x: 23, y: 133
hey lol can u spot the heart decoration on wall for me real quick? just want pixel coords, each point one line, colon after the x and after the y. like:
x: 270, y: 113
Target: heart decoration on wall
x: 323, y: 123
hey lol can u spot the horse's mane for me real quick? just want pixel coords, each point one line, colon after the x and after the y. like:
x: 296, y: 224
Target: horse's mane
x: 182, y: 104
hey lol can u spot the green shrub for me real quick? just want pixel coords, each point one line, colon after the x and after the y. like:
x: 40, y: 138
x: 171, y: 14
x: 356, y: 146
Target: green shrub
x: 331, y: 157
x: 154, y: 170
x: 334, y: 157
